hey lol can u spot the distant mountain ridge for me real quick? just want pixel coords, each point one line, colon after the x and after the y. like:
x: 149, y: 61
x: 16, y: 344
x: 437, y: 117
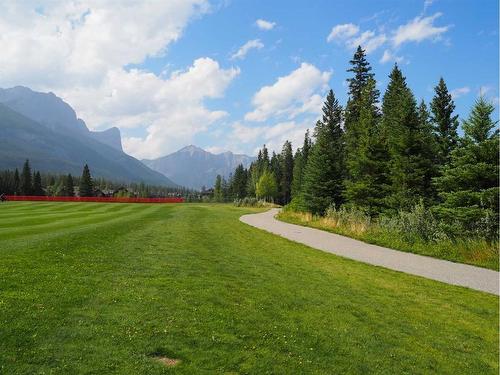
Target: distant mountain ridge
x: 194, y: 167
x: 52, y: 112
x: 45, y: 129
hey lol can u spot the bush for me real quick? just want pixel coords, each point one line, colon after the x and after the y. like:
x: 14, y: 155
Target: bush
x: 417, y: 224
x: 250, y: 202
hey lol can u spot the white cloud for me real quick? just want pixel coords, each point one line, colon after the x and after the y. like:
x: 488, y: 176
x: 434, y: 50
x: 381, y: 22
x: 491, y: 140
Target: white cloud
x: 265, y: 25
x: 419, y: 29
x: 342, y: 32
x: 458, y: 92
x: 290, y: 95
x: 245, y: 48
x: 368, y: 40
x: 83, y: 52
x: 176, y: 110
x: 251, y: 138
x: 389, y: 56
x: 416, y: 30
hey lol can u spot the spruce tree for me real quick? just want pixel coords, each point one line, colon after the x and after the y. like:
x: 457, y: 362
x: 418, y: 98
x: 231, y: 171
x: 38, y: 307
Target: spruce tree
x: 299, y: 165
x: 406, y: 143
x: 17, y: 183
x: 469, y: 185
x: 323, y: 177
x: 361, y: 70
x: 366, y: 184
x: 239, y: 182
x: 26, y: 184
x: 37, y: 184
x: 286, y: 172
x: 86, y: 184
x: 444, y: 122
x: 69, y: 186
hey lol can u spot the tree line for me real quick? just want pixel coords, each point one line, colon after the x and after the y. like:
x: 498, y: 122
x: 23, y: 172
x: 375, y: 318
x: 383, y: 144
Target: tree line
x: 385, y: 156
x: 35, y: 183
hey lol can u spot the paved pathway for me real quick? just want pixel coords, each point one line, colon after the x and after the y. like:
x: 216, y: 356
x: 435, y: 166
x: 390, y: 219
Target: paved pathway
x: 436, y: 269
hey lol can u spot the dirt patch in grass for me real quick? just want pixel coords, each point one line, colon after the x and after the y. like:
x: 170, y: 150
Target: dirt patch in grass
x: 169, y: 362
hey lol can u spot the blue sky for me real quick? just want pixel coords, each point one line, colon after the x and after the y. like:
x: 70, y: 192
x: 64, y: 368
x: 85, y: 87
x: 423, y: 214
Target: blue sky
x: 174, y: 73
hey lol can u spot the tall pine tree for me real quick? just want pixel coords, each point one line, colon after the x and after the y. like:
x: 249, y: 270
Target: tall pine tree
x: 366, y: 184
x: 299, y: 165
x: 323, y: 178
x: 444, y: 122
x: 86, y: 184
x: 37, y: 184
x: 406, y: 143
x: 26, y: 183
x: 361, y: 70
x: 69, y: 186
x: 469, y: 185
x: 286, y: 172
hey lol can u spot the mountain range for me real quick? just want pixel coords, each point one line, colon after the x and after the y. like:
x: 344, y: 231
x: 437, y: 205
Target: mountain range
x: 45, y: 129
x: 194, y: 167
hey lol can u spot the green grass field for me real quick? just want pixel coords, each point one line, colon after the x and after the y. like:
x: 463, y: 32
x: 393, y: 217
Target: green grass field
x: 103, y: 288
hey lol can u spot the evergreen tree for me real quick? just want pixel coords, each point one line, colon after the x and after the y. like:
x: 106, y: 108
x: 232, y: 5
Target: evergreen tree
x: 469, y: 185
x: 26, y: 184
x: 361, y: 70
x: 366, y: 184
x: 86, y: 183
x: 239, y: 184
x: 406, y: 143
x: 445, y: 123
x: 218, y: 194
x: 37, y: 184
x: 267, y: 187
x: 323, y: 177
x: 286, y: 172
x: 299, y: 164
x: 69, y: 186
x: 17, y: 183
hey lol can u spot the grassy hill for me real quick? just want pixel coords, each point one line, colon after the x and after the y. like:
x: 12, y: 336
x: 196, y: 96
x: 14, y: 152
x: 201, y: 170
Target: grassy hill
x: 104, y: 288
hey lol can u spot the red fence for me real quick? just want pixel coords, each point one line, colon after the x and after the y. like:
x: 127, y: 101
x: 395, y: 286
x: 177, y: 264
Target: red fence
x: 93, y: 199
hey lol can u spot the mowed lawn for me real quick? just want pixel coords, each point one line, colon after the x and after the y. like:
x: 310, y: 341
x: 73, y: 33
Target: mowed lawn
x: 104, y: 288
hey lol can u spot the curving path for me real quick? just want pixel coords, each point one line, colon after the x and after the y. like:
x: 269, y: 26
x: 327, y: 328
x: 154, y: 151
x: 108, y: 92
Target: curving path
x: 436, y: 269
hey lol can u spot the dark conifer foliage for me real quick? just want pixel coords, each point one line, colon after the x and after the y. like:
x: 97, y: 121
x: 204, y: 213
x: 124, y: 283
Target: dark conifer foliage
x: 323, y: 178
x: 17, y: 183
x: 299, y: 164
x: 469, y: 185
x: 444, y: 121
x: 286, y: 173
x: 69, y: 188
x: 26, y: 182
x: 407, y: 144
x: 37, y: 184
x: 366, y: 184
x: 86, y: 188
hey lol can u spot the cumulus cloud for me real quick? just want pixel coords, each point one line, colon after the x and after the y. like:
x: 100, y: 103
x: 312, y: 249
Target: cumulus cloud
x: 369, y: 40
x: 458, y: 92
x: 343, y: 31
x: 265, y: 25
x: 245, y: 48
x: 290, y: 95
x: 389, y: 56
x: 83, y: 53
x: 250, y: 139
x: 419, y: 29
x: 416, y: 30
